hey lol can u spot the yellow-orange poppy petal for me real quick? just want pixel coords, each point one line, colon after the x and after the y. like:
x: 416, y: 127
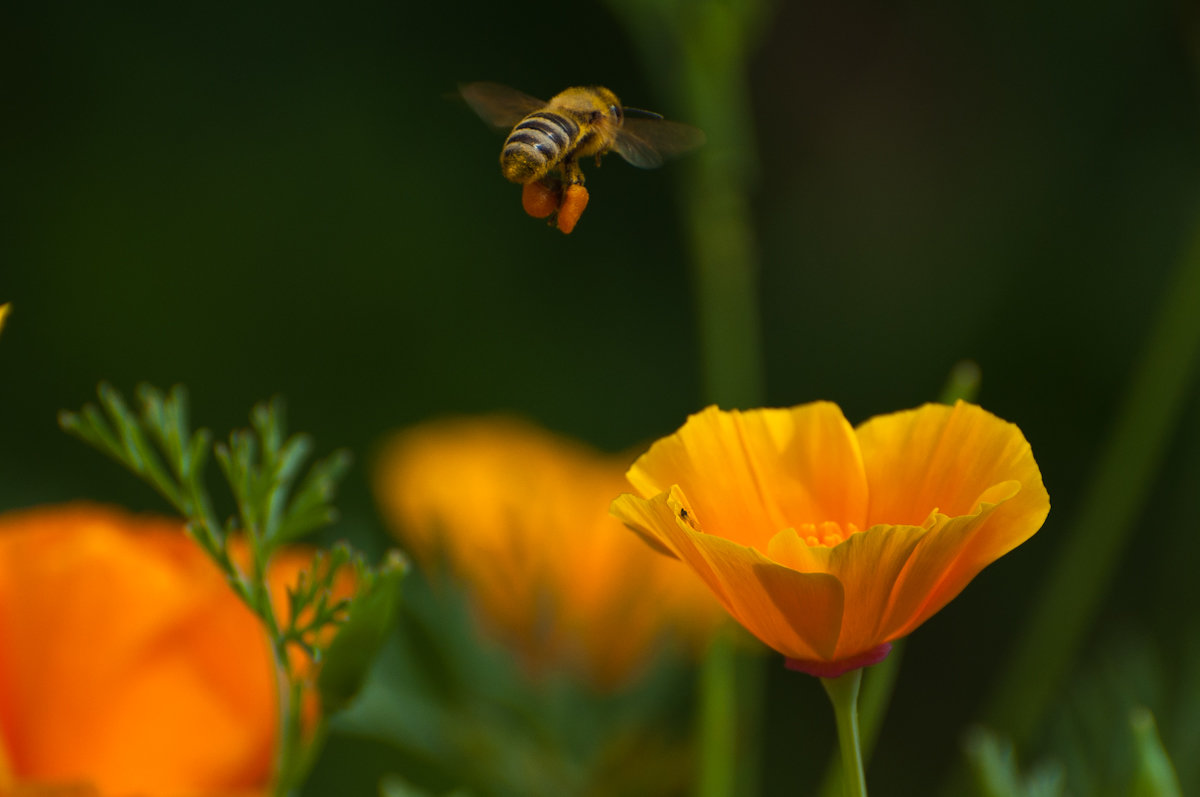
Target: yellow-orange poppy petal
x: 947, y: 491
x: 753, y: 474
x: 955, y: 461
x: 100, y: 680
x: 48, y: 790
x: 946, y: 458
x: 867, y: 565
x: 520, y: 517
x: 798, y: 614
x: 940, y: 568
x: 126, y: 662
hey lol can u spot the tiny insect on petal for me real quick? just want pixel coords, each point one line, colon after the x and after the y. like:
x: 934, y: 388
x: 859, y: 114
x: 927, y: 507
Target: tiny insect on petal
x: 541, y: 197
x: 572, y: 208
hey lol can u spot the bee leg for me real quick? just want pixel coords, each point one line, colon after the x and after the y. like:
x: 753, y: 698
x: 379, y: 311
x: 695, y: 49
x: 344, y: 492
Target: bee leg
x: 572, y: 174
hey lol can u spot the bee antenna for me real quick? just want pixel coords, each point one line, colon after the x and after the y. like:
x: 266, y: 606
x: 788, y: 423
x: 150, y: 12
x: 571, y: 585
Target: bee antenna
x: 641, y: 113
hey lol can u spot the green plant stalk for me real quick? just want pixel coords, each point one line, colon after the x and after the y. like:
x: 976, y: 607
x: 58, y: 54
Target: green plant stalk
x: 298, y: 746
x: 698, y: 50
x: 1064, y: 610
x: 878, y: 683
x: 843, y: 693
x: 290, y: 733
x: 126, y: 436
x: 718, y: 711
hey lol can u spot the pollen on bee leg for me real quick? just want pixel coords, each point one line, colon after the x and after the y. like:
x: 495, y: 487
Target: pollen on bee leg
x: 541, y: 197
x: 575, y: 199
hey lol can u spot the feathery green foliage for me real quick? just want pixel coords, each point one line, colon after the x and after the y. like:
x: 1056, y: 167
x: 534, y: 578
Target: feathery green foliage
x: 339, y: 610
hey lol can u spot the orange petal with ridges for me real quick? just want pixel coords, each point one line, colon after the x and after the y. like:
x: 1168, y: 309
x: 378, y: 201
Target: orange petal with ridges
x: 950, y: 490
x: 753, y: 474
x: 797, y: 613
x: 945, y: 458
x: 940, y: 568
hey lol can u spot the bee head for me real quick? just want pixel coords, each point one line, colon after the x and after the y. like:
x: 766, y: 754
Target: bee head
x: 610, y: 105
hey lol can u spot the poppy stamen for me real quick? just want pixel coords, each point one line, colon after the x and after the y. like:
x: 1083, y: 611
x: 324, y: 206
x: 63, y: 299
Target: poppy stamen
x: 827, y: 533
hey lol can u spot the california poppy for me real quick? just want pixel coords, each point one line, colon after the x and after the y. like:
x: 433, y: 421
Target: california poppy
x: 828, y: 542
x: 520, y: 517
x: 127, y: 664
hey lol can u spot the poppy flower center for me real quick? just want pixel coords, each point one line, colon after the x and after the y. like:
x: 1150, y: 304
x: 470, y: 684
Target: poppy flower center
x: 827, y: 533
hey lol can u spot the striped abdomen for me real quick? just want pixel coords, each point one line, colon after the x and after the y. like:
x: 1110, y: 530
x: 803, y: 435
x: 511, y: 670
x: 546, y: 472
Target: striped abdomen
x: 537, y: 144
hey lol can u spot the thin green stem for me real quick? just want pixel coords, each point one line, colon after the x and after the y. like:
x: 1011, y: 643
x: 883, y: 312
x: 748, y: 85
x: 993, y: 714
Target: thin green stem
x: 718, y: 711
x: 878, y: 683
x: 699, y: 51
x: 261, y: 487
x: 289, y: 755
x: 843, y: 693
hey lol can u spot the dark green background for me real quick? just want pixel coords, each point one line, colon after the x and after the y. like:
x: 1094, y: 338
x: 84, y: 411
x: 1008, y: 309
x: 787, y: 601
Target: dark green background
x: 283, y: 198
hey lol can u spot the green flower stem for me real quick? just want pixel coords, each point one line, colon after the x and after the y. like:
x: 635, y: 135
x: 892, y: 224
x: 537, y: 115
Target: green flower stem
x: 878, y: 684
x: 843, y: 693
x: 1063, y: 612
x: 699, y: 51
x: 718, y: 712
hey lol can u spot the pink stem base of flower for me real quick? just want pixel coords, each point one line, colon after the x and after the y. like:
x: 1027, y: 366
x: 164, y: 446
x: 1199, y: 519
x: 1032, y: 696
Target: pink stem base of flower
x: 832, y: 669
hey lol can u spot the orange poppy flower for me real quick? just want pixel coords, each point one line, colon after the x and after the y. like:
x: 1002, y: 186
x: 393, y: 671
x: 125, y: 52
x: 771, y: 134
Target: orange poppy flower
x: 127, y: 664
x: 828, y: 542
x: 520, y: 516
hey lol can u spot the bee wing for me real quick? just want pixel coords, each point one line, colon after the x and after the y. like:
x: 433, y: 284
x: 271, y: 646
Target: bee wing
x: 498, y: 105
x: 645, y: 142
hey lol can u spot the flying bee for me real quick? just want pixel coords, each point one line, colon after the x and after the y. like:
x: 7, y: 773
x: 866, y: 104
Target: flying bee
x: 550, y: 137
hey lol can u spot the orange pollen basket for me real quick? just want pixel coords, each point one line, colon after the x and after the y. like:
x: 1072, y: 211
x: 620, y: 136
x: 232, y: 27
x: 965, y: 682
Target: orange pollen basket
x: 828, y: 533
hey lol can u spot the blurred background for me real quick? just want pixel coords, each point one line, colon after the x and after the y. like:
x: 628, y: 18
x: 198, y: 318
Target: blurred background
x: 288, y: 199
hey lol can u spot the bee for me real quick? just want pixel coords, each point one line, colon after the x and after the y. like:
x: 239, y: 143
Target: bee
x: 548, y: 139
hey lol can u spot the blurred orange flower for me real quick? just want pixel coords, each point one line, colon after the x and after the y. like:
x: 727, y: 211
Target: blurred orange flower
x: 520, y: 516
x: 829, y: 542
x: 127, y: 664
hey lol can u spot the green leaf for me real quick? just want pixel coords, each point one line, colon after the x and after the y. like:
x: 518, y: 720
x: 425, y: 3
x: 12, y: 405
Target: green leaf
x: 962, y: 382
x: 396, y: 786
x: 261, y: 466
x: 994, y: 768
x: 311, y: 507
x: 1154, y: 776
x: 372, y: 614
